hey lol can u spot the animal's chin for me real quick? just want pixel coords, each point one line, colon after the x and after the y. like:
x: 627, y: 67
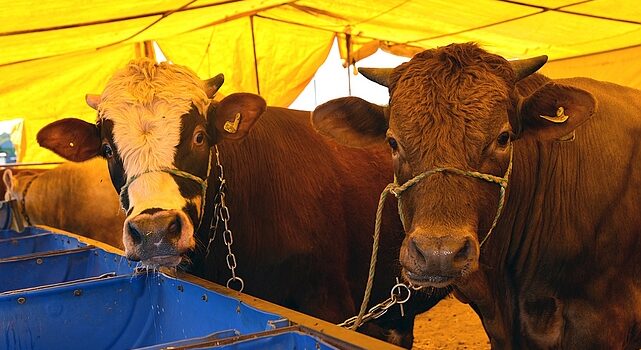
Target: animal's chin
x: 162, y: 261
x: 435, y: 281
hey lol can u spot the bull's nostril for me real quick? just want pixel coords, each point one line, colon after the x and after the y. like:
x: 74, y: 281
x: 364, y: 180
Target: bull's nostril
x: 463, y: 254
x: 416, y: 252
x: 175, y: 227
x: 136, y: 236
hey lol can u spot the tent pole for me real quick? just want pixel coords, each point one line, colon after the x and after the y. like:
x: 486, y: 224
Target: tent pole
x: 348, y: 47
x: 251, y: 20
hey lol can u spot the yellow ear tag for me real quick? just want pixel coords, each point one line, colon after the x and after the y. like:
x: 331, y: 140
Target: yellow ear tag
x: 559, y: 118
x: 232, y: 127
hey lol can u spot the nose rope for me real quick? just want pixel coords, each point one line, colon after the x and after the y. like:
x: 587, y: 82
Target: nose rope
x: 177, y: 172
x: 396, y: 189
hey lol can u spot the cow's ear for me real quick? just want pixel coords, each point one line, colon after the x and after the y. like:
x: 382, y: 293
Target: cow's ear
x: 235, y: 115
x: 553, y: 112
x: 351, y: 121
x: 73, y: 139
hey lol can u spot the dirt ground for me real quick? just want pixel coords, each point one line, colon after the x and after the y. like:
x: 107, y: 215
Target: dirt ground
x: 449, y: 325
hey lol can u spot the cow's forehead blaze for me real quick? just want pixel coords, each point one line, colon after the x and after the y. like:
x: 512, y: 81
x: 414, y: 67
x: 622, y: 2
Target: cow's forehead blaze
x: 146, y: 102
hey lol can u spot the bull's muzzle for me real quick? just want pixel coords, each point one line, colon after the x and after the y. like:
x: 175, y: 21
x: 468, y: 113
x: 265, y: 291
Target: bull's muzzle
x: 438, y: 261
x: 157, y: 236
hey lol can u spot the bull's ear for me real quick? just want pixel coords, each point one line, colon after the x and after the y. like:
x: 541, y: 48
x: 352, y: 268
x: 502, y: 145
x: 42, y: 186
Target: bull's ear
x: 235, y: 115
x: 351, y: 121
x: 73, y: 139
x: 553, y: 112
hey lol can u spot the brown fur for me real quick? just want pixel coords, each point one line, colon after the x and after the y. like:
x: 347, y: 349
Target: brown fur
x: 303, y: 226
x: 302, y: 207
x: 76, y: 197
x: 563, y: 260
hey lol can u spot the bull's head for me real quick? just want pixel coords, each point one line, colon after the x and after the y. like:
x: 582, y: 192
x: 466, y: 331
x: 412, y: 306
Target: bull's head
x: 156, y: 125
x: 455, y: 107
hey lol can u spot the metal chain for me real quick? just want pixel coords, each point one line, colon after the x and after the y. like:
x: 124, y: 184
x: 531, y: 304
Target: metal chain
x: 399, y: 294
x: 221, y: 214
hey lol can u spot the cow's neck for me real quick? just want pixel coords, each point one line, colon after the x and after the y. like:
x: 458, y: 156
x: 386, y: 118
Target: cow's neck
x: 203, y: 232
x: 510, y: 259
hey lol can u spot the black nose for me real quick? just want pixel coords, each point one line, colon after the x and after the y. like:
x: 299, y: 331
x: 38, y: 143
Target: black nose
x: 425, y: 256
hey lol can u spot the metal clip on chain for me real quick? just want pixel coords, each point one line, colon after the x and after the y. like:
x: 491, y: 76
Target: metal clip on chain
x: 221, y: 213
x: 399, y: 294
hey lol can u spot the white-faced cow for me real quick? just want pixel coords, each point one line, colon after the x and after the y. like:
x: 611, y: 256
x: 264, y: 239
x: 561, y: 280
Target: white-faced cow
x: 552, y: 263
x: 302, y: 207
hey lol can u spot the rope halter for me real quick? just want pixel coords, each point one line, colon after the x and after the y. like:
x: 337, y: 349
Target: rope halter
x: 396, y: 189
x: 171, y: 171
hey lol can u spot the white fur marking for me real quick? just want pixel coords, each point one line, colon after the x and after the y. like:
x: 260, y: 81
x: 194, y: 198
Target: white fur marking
x: 146, y: 102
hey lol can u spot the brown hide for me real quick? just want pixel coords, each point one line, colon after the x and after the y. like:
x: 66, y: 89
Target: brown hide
x: 76, y: 197
x: 566, y: 250
x: 302, y: 214
x: 562, y: 267
x: 24, y: 172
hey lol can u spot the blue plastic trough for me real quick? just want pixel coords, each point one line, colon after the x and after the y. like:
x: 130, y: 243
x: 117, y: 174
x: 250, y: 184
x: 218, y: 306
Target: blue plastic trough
x: 60, y: 291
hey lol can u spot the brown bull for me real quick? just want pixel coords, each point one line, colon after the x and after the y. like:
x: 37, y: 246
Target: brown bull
x: 76, y: 197
x: 302, y: 207
x: 560, y: 264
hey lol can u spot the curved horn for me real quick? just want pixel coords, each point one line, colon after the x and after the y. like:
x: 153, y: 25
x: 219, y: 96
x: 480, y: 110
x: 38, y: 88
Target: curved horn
x: 377, y: 75
x: 93, y: 100
x: 213, y: 84
x: 525, y: 67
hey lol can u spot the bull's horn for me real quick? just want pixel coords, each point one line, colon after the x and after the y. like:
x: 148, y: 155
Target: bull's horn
x: 377, y: 75
x: 213, y: 84
x: 525, y: 67
x: 93, y: 100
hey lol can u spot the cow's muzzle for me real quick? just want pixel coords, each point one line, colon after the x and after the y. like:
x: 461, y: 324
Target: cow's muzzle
x: 438, y: 261
x: 158, y: 237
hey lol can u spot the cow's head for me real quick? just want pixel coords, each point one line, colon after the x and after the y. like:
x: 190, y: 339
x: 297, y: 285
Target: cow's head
x: 156, y: 125
x: 454, y: 107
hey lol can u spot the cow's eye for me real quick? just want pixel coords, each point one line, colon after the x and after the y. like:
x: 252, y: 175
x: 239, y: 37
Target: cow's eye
x: 107, y: 151
x: 199, y: 138
x: 393, y: 144
x: 503, y: 139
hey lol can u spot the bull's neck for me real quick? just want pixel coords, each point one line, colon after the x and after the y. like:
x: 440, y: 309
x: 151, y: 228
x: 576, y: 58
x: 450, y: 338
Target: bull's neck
x: 203, y: 233
x: 508, y: 254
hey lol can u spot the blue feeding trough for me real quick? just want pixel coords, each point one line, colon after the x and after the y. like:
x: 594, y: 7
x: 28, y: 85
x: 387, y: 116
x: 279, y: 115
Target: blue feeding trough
x: 27, y: 232
x: 61, y: 291
x: 37, y: 243
x: 123, y: 313
x: 83, y: 263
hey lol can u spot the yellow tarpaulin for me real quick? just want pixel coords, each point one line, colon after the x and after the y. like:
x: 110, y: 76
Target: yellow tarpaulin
x: 56, y: 91
x: 53, y: 52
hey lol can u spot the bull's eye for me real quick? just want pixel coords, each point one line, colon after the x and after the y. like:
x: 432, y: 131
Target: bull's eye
x: 503, y: 139
x: 107, y: 151
x: 199, y: 138
x: 393, y: 144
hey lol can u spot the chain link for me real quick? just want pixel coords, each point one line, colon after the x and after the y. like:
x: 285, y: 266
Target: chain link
x: 221, y: 214
x: 399, y: 294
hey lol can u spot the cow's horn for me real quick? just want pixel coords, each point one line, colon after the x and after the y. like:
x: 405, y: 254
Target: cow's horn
x: 377, y: 75
x: 213, y: 84
x: 93, y: 100
x: 525, y: 67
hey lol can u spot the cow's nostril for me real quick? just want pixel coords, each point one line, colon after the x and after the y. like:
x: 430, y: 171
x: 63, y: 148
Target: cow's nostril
x: 416, y: 252
x: 463, y: 253
x: 135, y: 235
x: 175, y: 227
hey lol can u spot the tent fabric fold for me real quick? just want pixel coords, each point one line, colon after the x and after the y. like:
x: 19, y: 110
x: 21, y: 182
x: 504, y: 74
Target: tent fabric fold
x: 54, y: 51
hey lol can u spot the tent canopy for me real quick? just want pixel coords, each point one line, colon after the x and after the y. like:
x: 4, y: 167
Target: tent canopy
x: 53, y: 52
